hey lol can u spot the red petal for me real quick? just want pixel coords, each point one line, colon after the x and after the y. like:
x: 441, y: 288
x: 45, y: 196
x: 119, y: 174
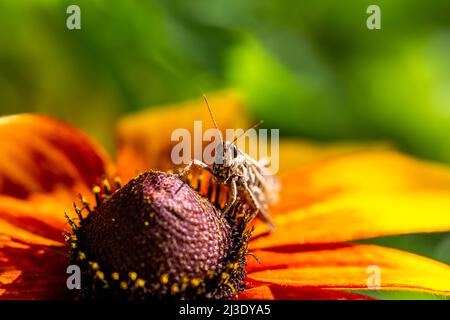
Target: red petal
x: 41, y: 155
x: 274, y: 292
x: 32, y: 222
x: 33, y: 272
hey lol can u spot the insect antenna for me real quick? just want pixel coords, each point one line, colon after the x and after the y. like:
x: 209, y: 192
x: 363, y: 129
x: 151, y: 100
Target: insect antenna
x: 255, y: 125
x: 212, y: 117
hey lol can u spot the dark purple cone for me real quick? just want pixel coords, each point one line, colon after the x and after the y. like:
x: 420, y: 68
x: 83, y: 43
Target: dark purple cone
x: 157, y: 237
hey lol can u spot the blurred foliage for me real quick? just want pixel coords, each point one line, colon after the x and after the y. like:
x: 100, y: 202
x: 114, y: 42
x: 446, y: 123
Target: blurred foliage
x: 310, y: 68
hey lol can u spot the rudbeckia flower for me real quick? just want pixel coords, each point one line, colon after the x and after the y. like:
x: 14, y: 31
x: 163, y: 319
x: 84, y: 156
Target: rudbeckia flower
x: 331, y: 197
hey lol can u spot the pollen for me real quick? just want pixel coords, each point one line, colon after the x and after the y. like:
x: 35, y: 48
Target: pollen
x: 174, y: 289
x: 132, y: 276
x: 94, y: 265
x: 164, y: 278
x: 115, y: 276
x: 118, y: 182
x: 100, y: 275
x: 140, y: 283
x: 123, y: 285
x: 83, y: 200
x: 107, y: 186
x: 195, y: 282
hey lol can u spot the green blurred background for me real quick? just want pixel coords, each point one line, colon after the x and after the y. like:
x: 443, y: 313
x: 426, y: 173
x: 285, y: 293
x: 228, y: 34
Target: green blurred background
x: 310, y: 68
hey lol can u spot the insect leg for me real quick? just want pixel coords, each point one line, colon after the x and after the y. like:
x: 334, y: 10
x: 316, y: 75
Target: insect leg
x: 259, y: 209
x: 196, y: 162
x: 233, y: 196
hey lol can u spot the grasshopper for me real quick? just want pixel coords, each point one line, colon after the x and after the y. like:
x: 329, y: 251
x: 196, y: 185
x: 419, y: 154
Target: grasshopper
x: 245, y: 176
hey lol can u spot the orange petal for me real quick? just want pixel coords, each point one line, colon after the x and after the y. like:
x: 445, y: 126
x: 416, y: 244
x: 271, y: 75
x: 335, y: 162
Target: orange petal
x: 41, y: 155
x: 30, y: 222
x: 350, y: 267
x: 33, y: 272
x: 145, y: 138
x: 295, y: 153
x: 274, y: 292
x: 358, y: 196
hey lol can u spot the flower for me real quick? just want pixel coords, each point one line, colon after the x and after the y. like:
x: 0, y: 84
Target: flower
x: 331, y: 197
x: 156, y: 237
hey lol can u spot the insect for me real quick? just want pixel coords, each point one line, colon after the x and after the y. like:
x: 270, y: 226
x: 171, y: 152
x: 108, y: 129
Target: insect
x: 246, y: 177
